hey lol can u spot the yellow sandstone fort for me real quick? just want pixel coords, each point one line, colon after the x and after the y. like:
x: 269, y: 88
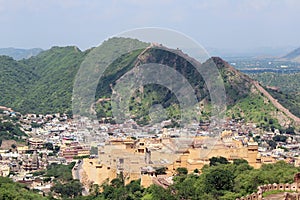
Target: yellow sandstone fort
x: 139, y: 159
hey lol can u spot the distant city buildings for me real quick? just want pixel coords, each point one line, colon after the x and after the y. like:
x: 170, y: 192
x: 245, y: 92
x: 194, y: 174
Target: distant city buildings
x: 150, y: 153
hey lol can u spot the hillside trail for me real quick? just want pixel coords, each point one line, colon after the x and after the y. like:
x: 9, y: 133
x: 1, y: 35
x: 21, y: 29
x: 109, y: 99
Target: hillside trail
x: 276, y: 103
x: 275, y: 197
x: 6, y: 108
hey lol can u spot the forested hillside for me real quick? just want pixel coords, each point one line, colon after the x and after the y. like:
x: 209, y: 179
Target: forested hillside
x: 44, y: 84
x: 19, y: 54
x: 51, y: 90
x: 15, y: 81
x: 11, y: 190
x: 283, y: 87
x: 287, y: 83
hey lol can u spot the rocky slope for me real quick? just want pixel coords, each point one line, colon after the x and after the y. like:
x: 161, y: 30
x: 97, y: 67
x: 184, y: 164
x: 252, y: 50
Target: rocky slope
x: 44, y: 84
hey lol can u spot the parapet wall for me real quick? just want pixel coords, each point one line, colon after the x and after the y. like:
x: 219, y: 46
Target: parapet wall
x: 295, y: 187
x: 272, y: 187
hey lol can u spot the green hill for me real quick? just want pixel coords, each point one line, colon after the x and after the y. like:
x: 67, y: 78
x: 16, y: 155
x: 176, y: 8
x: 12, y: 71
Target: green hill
x: 14, y: 81
x: 288, y: 83
x: 283, y: 87
x: 51, y: 90
x: 293, y: 56
x: 44, y: 84
x: 19, y: 54
x: 40, y: 84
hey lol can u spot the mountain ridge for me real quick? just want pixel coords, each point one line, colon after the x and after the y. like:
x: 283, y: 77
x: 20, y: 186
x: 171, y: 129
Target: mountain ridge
x: 293, y: 55
x: 19, y: 54
x: 49, y: 77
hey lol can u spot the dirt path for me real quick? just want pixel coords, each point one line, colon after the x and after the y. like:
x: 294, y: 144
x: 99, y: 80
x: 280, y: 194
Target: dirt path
x: 277, y: 104
x: 275, y: 197
x: 5, y: 108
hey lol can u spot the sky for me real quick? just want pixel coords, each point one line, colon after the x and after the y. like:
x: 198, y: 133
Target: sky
x: 223, y: 24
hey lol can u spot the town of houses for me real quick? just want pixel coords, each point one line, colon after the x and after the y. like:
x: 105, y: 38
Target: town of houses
x: 103, y: 150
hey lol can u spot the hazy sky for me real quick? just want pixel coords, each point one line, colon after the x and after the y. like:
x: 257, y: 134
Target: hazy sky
x: 231, y: 24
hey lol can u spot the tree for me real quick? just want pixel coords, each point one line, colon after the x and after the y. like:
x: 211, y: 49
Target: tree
x: 116, y: 189
x: 48, y: 146
x: 160, y: 171
x: 239, y: 161
x: 272, y: 143
x: 159, y: 193
x: 217, y: 160
x: 13, y: 146
x: 60, y: 171
x: 95, y: 190
x: 134, y: 189
x: 219, y: 179
x: 186, y: 186
x: 69, y: 190
x: 290, y: 130
x: 117, y: 182
x: 181, y: 171
x: 279, y: 138
x: 12, y: 190
x: 56, y: 149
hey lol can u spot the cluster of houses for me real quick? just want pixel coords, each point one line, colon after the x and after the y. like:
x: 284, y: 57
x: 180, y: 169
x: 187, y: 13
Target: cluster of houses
x: 108, y: 149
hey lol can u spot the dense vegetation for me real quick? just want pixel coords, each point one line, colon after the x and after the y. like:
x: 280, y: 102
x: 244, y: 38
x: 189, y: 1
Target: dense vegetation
x: 288, y: 88
x: 14, y: 81
x: 287, y: 83
x: 237, y: 86
x: 60, y: 172
x: 10, y: 130
x: 291, y: 101
x: 51, y: 90
x: 19, y: 54
x: 64, y: 185
x: 254, y: 108
x: 44, y: 84
x: 11, y: 190
x: 41, y: 84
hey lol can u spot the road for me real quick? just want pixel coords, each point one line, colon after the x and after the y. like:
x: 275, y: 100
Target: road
x: 76, y: 172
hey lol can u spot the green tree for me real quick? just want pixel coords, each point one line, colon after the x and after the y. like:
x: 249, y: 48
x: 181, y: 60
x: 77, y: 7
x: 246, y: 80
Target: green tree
x: 290, y: 130
x: 181, y: 171
x: 279, y: 138
x: 48, y: 146
x: 239, y: 161
x: 160, y: 170
x: 159, y: 193
x: 12, y: 190
x: 217, y: 160
x: 219, y: 179
x: 69, y: 190
x: 95, y: 190
x: 13, y: 146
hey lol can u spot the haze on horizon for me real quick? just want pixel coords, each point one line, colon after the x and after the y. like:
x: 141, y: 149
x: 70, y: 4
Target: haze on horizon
x: 243, y: 25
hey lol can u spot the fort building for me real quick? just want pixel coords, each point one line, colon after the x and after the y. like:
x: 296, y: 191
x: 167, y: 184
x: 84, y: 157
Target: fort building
x: 141, y: 159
